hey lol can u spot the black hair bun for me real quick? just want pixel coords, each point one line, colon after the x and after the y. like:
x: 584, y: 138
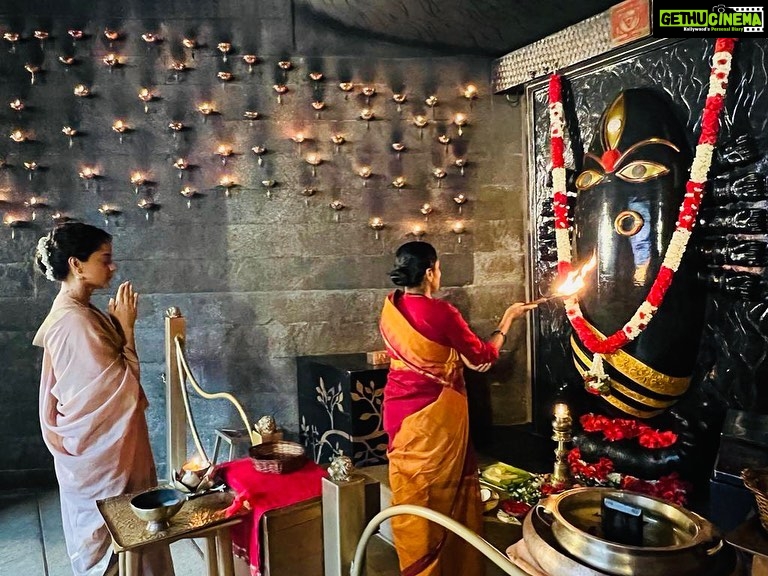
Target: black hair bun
x: 401, y: 277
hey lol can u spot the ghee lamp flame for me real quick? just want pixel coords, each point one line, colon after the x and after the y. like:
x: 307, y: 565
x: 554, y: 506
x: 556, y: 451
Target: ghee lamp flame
x: 418, y: 231
x: 259, y: 151
x: 316, y: 76
x: 250, y: 59
x: 224, y: 152
x: 111, y: 35
x: 32, y: 69
x: 337, y: 206
x: 227, y: 182
x: 67, y: 60
x: 376, y: 224
x: 460, y: 120
x: 41, y: 35
x: 470, y: 92
x: 280, y: 89
x: 268, y: 184
x: 17, y: 105
x: 426, y: 210
x: 338, y: 139
x: 82, y: 91
x: 111, y: 60
x: 399, y: 182
x: 439, y: 174
x: 460, y: 200
x: 181, y: 164
x: 108, y: 210
x: 75, y: 35
x: 189, y: 193
x: 399, y: 98
x: 250, y: 115
x: 314, y: 160
x: 431, y: 101
x: 367, y: 115
x: 137, y: 179
x: 561, y: 411
x: 206, y: 109
x: 365, y: 172
x: 150, y: 38
x: 458, y: 228
x: 87, y: 173
x: 224, y: 76
x: 18, y: 136
x: 346, y: 87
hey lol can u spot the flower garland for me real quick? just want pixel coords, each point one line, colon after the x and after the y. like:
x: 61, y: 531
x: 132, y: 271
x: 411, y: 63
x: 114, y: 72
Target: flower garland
x: 621, y: 428
x: 670, y: 488
x: 710, y: 125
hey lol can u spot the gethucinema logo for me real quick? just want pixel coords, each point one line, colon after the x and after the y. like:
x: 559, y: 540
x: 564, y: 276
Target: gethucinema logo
x: 718, y: 20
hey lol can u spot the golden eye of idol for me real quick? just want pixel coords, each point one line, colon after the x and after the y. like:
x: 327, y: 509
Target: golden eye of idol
x: 641, y: 171
x: 588, y: 179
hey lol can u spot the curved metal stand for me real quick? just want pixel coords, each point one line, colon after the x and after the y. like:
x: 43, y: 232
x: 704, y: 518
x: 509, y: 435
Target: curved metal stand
x: 186, y: 373
x: 489, y: 551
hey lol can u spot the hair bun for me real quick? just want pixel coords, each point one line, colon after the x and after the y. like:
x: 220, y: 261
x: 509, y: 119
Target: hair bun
x: 401, y: 277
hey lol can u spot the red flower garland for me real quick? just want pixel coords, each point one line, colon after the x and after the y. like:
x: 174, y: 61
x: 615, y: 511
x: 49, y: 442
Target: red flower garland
x: 623, y: 428
x: 710, y: 125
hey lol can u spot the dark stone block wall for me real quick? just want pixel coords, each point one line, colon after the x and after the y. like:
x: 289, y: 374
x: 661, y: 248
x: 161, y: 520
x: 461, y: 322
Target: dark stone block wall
x: 260, y: 279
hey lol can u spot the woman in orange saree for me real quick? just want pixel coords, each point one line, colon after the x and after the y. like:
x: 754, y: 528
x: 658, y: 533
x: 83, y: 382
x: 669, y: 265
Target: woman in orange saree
x: 431, y: 462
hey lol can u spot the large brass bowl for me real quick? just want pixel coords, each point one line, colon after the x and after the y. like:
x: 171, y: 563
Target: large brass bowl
x: 156, y: 507
x: 675, y: 540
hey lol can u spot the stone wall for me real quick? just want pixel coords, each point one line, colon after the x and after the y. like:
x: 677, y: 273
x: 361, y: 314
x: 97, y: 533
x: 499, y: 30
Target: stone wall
x: 260, y: 279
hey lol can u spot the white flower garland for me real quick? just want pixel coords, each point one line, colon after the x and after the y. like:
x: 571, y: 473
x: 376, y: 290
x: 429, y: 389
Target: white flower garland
x: 44, y: 246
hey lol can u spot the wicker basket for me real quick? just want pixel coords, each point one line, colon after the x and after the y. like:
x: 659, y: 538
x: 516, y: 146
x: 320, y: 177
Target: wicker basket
x: 756, y: 480
x: 277, y: 457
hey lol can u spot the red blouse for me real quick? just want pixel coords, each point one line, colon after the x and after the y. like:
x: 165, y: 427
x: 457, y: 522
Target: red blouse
x: 408, y: 392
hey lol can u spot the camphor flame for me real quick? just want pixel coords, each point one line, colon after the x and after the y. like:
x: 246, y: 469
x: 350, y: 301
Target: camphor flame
x: 574, y: 282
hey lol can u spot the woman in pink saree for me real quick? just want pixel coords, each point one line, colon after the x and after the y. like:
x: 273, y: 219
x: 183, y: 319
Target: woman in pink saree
x: 91, y: 401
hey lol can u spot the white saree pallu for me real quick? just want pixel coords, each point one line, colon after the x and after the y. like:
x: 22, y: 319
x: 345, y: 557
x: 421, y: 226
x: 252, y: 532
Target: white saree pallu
x: 92, y: 419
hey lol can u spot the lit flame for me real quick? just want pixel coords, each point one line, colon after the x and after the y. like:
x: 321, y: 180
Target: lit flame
x: 574, y: 282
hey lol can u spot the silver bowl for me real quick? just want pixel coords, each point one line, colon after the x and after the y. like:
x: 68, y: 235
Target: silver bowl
x: 157, y: 507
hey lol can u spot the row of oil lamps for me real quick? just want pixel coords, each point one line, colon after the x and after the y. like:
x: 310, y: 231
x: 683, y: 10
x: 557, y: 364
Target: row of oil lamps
x: 376, y: 223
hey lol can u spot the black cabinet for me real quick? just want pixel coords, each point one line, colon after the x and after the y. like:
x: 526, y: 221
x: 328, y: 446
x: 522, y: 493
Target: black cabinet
x: 340, y: 400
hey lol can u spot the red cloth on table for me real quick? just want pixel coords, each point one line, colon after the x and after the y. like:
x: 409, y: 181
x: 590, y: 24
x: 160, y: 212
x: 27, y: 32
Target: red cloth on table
x: 264, y: 492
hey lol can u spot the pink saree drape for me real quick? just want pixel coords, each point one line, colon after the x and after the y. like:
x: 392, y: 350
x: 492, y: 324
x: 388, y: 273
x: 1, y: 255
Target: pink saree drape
x: 92, y: 419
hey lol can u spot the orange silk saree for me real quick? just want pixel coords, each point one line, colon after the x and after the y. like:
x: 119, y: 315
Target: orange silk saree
x: 428, y: 454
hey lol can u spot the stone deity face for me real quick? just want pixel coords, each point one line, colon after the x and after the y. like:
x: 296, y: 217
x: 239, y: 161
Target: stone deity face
x: 628, y: 197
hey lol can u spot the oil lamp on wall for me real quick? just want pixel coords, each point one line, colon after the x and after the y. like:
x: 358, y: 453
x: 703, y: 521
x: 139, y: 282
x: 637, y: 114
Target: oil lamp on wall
x: 120, y: 127
x: 285, y: 65
x: 470, y: 93
x: 316, y: 77
x: 308, y: 192
x: 420, y: 122
x: 190, y: 44
x: 445, y: 140
x: 17, y: 105
x: 14, y: 223
x: 280, y: 89
x: 250, y: 59
x: 227, y: 182
x: 18, y: 136
x: 108, y: 211
x: 175, y: 127
x: 268, y: 185
x: 439, y: 174
x: 346, y: 87
x: 417, y: 230
x: 12, y: 38
x: 31, y: 168
x: 137, y: 179
x: 259, y: 151
x: 42, y: 36
x: 60, y: 218
x: 338, y: 140
x: 75, y: 35
x: 225, y: 76
x: 367, y: 115
x: 150, y: 38
x: 111, y: 61
x: 460, y: 163
x: 206, y: 109
x: 111, y: 35
x: 299, y: 139
x: 376, y: 224
x: 32, y: 69
x: 87, y: 174
x: 399, y: 148
x: 251, y: 115
x: 369, y: 92
x: 460, y: 120
x: 189, y: 193
x: 224, y: 152
x: 426, y: 210
x: 146, y: 96
x: 460, y: 200
x: 431, y: 101
x: 148, y: 206
x: 314, y: 160
x: 399, y: 98
x: 82, y: 91
x: 458, y: 228
x: 70, y: 133
x: 399, y: 182
x: 365, y: 172
x: 178, y: 67
x: 337, y: 206
x: 181, y: 165
x: 318, y: 106
x: 34, y: 204
x: 67, y: 61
